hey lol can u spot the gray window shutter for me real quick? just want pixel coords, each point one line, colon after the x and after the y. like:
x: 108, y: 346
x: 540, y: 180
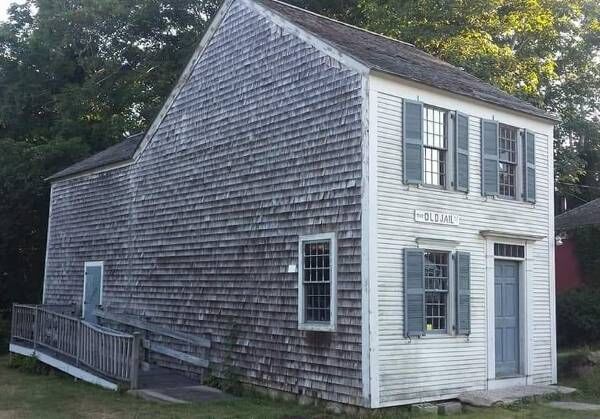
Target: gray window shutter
x: 529, y: 166
x: 489, y: 157
x: 414, y: 293
x: 413, y: 142
x: 461, y: 152
x: 463, y: 293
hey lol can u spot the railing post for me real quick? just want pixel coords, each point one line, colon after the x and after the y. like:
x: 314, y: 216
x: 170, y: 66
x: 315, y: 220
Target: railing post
x: 79, y: 338
x: 35, y: 327
x: 13, y: 323
x: 135, y: 360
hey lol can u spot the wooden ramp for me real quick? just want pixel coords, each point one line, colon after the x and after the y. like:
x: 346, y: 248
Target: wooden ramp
x: 108, y: 357
x: 87, y: 351
x: 168, y: 386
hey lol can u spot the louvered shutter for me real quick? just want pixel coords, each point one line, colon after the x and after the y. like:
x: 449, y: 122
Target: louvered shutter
x: 413, y: 142
x: 489, y: 157
x: 414, y: 293
x: 461, y: 154
x: 463, y: 293
x: 529, y: 166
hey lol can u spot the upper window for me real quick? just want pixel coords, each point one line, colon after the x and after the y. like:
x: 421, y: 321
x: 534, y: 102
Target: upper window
x: 436, y: 268
x: 507, y: 159
x: 435, y: 146
x: 317, y: 282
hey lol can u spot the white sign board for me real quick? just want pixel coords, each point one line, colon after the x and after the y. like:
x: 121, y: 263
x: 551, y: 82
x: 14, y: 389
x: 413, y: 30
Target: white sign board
x: 435, y: 217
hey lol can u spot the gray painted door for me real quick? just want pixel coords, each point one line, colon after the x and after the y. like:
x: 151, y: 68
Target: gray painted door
x: 507, y: 318
x: 93, y: 284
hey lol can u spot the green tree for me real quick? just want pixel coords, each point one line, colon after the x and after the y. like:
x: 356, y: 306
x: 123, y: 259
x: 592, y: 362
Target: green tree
x: 75, y: 77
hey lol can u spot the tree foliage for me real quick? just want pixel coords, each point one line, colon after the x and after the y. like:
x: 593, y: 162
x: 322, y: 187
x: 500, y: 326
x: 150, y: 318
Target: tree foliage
x: 75, y: 77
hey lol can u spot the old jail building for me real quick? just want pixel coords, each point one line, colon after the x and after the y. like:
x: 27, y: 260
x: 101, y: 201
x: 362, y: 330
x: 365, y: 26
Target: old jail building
x: 347, y: 217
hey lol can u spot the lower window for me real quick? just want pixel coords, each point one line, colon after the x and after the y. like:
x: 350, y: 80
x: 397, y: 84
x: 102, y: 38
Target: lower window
x: 436, y: 267
x: 317, y: 282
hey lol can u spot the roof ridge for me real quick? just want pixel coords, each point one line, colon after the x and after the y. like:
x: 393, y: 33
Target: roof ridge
x: 346, y: 24
x: 389, y: 38
x: 487, y: 92
x: 580, y: 207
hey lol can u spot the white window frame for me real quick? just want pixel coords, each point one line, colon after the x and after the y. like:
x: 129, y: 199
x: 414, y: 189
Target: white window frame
x: 451, y: 247
x: 85, y: 266
x: 518, y: 165
x: 450, y: 305
x: 449, y: 122
x: 318, y: 326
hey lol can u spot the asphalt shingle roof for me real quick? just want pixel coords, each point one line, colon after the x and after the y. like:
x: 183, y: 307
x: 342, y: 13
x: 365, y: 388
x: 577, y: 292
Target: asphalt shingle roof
x: 114, y: 154
x: 584, y: 215
x: 401, y: 59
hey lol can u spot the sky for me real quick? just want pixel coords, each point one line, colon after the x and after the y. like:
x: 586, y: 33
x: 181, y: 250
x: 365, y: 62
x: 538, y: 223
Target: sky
x: 4, y: 7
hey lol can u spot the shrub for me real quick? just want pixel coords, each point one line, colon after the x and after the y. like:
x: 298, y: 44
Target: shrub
x: 578, y: 317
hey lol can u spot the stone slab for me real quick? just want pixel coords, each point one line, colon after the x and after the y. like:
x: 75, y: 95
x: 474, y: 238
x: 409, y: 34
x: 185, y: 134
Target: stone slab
x: 449, y: 408
x: 424, y: 409
x: 507, y: 396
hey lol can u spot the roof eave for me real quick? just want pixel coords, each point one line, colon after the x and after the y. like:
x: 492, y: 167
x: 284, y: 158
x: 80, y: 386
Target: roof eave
x: 86, y: 172
x: 544, y: 116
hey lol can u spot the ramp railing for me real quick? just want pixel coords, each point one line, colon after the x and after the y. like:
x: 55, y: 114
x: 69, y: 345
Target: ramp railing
x: 112, y: 354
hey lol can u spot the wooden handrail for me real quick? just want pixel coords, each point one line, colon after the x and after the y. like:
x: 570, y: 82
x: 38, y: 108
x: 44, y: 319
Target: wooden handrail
x: 110, y: 353
x: 152, y: 327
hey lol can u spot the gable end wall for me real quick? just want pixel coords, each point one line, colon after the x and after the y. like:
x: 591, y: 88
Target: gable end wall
x: 261, y: 145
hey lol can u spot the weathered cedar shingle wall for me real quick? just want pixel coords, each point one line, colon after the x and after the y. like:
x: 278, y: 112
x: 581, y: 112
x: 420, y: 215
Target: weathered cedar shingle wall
x: 263, y: 144
x: 89, y: 222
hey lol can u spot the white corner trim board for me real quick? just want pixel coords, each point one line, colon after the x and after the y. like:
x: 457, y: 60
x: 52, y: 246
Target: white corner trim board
x: 63, y: 366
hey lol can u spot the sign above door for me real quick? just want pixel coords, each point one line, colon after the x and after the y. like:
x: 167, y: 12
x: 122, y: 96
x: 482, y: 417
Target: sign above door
x: 436, y: 217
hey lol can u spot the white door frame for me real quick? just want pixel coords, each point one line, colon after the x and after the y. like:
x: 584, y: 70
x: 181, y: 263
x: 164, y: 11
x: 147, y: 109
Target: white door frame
x: 525, y: 317
x: 85, y: 266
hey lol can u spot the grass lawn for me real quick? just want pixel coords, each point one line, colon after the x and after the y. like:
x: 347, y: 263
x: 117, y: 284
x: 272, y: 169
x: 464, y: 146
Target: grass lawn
x: 26, y: 395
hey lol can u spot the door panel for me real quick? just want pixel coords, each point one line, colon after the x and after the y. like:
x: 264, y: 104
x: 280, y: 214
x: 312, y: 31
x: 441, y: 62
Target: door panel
x: 93, y: 284
x: 507, y: 318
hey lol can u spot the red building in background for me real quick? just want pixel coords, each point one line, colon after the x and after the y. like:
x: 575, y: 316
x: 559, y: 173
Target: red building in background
x: 569, y: 274
x: 568, y: 269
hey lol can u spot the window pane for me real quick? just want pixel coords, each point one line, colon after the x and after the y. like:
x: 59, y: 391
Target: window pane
x: 435, y: 310
x: 507, y: 179
x: 507, y: 148
x: 435, y: 146
x: 507, y: 144
x: 436, y: 289
x: 316, y: 281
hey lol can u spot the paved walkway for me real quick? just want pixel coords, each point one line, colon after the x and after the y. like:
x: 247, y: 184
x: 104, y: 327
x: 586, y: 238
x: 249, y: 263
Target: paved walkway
x: 161, y: 384
x: 510, y: 395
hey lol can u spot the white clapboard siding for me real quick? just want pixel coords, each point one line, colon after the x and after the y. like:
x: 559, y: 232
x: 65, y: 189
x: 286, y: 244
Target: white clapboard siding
x: 435, y: 367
